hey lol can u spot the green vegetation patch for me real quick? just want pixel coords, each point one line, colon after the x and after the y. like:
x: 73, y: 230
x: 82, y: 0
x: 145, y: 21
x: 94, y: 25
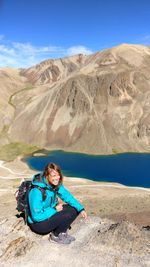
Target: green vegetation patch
x: 28, y: 87
x: 11, y: 151
x: 115, y: 151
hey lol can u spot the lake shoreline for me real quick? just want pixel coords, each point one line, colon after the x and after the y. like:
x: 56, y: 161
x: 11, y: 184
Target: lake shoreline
x: 44, y: 152
x: 129, y: 169
x: 107, y: 200
x: 19, y: 169
x: 121, y: 178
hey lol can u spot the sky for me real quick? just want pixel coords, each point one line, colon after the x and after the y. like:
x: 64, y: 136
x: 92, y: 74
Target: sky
x: 34, y: 30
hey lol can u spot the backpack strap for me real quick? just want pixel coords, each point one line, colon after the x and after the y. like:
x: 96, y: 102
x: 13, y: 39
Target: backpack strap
x: 42, y: 189
x: 38, y: 178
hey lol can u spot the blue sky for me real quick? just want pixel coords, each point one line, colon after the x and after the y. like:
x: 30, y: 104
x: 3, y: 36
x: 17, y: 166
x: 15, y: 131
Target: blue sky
x: 34, y: 30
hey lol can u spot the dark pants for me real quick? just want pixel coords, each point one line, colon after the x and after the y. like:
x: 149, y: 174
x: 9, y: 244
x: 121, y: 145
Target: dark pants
x: 58, y: 223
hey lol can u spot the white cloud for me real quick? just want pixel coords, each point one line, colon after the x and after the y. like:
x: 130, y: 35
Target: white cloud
x: 74, y: 50
x: 17, y: 54
x: 7, y: 61
x: 28, y: 48
x: 6, y: 50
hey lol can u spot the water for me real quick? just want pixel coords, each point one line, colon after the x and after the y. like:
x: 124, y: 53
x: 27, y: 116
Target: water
x: 132, y: 169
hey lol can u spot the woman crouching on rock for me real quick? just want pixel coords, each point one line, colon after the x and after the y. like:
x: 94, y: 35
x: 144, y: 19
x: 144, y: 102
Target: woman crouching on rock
x: 47, y: 215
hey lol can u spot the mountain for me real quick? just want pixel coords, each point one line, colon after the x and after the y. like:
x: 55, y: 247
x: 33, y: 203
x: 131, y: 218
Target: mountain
x: 96, y: 104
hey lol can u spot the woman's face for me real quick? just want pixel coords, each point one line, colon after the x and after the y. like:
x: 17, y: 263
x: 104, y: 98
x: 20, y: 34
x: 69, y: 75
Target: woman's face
x: 53, y: 177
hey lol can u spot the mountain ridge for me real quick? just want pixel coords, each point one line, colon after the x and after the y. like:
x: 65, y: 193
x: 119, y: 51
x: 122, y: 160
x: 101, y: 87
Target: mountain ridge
x: 97, y: 104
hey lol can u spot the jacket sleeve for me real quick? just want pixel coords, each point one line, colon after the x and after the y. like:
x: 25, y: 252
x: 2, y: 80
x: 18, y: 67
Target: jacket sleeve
x: 67, y: 197
x: 38, y: 213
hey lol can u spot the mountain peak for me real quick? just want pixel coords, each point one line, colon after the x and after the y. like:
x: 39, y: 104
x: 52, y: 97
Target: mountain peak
x: 101, y: 100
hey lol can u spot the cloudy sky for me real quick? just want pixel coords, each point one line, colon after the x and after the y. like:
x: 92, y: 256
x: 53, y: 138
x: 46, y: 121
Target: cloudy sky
x: 34, y: 30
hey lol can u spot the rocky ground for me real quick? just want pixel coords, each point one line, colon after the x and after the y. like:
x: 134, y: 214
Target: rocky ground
x: 98, y: 243
x: 116, y: 233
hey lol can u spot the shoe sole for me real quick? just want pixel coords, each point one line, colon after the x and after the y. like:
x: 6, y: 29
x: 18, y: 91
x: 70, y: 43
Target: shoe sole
x: 52, y: 241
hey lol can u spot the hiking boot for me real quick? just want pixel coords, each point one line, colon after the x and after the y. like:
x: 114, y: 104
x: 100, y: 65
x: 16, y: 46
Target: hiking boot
x: 62, y: 238
x: 72, y: 238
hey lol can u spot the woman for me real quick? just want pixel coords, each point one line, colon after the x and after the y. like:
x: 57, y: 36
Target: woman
x: 47, y: 215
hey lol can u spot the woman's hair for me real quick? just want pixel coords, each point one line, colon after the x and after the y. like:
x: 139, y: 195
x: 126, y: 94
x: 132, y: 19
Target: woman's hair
x: 52, y: 166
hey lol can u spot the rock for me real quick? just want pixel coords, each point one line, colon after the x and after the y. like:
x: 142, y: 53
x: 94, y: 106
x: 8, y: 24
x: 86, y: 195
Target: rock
x: 99, y: 243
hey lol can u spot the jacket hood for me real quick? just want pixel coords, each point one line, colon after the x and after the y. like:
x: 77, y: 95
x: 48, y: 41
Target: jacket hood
x: 40, y: 180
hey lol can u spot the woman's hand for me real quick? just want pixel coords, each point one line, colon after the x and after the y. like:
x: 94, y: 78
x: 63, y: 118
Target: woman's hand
x: 84, y: 214
x: 59, y: 207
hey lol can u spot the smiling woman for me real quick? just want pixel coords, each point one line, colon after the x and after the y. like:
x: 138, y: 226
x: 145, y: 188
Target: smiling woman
x: 53, y: 174
x: 48, y: 215
x: 53, y: 178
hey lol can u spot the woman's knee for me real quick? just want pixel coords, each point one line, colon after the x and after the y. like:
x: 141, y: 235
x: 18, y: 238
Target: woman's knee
x: 73, y: 212
x: 69, y: 207
x: 70, y: 212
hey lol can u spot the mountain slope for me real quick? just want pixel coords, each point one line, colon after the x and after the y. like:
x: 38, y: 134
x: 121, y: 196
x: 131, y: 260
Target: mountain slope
x: 95, y: 104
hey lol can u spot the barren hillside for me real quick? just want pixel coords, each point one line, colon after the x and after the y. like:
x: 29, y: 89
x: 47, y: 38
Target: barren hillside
x: 95, y: 104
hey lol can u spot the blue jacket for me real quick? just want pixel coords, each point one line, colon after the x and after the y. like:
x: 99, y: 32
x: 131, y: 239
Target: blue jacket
x: 40, y: 209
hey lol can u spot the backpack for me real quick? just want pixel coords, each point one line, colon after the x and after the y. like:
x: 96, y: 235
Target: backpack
x: 22, y: 196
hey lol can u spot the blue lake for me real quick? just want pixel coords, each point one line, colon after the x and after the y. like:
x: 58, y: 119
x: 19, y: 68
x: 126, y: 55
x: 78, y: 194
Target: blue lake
x: 132, y: 169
